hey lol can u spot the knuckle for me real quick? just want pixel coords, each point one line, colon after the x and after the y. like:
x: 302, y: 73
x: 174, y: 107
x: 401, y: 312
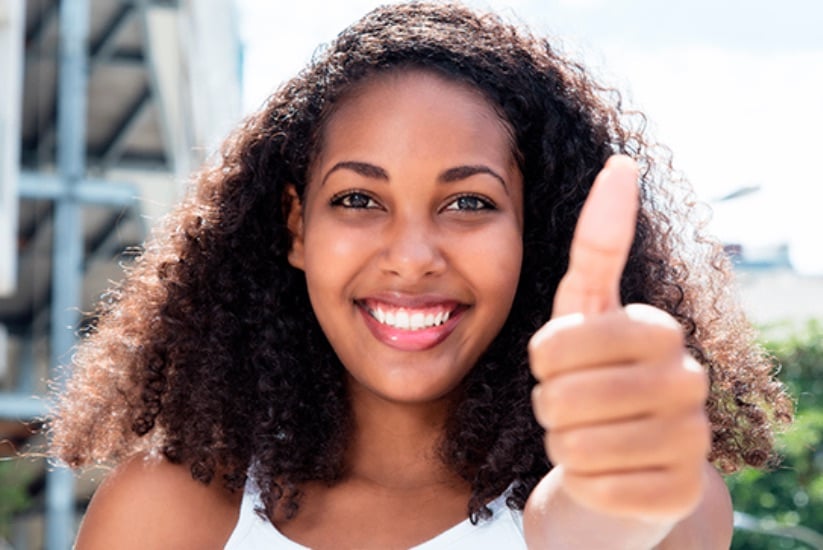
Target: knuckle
x: 657, y: 325
x: 698, y: 375
x: 649, y: 314
x: 570, y: 447
x: 550, y: 403
x: 547, y: 346
x: 541, y: 352
x: 687, y: 381
x: 693, y: 380
x: 559, y: 393
x: 669, y: 337
x: 547, y: 446
x: 556, y: 447
x: 541, y: 405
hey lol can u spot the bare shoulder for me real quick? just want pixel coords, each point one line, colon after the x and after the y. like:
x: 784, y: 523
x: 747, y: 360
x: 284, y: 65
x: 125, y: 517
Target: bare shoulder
x: 711, y: 525
x: 151, y: 503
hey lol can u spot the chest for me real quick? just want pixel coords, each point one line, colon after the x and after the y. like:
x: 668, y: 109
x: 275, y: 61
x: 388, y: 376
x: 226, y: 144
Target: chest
x: 348, y: 517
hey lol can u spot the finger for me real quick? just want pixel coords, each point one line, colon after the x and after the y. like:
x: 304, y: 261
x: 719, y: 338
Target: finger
x: 635, y: 332
x: 601, y: 242
x: 619, y: 392
x: 670, y: 493
x: 652, y: 442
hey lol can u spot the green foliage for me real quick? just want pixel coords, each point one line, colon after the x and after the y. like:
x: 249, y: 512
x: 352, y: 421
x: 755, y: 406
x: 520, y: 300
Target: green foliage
x: 13, y: 495
x: 792, y: 494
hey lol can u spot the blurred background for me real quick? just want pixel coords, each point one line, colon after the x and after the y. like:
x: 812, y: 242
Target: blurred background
x: 107, y: 106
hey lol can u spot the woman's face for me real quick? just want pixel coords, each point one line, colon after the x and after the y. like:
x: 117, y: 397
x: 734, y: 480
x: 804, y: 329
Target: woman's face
x: 410, y: 234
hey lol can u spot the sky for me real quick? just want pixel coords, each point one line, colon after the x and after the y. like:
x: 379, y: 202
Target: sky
x: 733, y: 87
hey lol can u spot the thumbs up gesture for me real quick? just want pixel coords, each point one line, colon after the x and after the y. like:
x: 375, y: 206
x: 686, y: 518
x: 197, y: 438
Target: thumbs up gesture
x: 621, y: 399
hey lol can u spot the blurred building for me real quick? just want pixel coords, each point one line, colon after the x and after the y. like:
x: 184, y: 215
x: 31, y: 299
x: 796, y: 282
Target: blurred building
x: 780, y: 297
x: 106, y: 106
x: 779, y: 281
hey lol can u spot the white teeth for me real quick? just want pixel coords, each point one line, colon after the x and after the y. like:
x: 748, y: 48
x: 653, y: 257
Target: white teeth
x: 406, y: 320
x: 417, y: 320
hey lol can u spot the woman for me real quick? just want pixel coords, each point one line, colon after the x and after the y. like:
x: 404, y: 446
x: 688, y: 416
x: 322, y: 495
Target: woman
x: 354, y: 319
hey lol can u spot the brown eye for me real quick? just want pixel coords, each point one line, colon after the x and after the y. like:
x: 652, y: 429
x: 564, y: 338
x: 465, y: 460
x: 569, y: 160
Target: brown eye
x: 470, y: 203
x: 354, y: 199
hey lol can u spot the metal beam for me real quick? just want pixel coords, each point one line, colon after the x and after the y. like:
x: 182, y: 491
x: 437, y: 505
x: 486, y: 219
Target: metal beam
x: 117, y: 140
x: 145, y: 162
x: 21, y: 406
x: 42, y: 140
x: 101, y: 52
x: 37, y: 186
x: 127, y: 58
x: 38, y: 29
x: 103, y: 48
x: 24, y: 383
x: 169, y: 145
x: 34, y: 38
x: 67, y: 276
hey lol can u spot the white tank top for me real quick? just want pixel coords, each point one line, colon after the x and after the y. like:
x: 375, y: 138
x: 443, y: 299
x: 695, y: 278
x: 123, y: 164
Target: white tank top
x: 503, y: 530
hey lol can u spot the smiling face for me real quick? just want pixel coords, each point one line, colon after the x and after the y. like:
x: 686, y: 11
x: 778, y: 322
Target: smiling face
x: 410, y: 234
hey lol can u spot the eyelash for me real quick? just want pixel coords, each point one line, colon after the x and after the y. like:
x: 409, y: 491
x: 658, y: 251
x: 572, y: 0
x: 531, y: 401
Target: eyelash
x: 341, y: 199
x: 485, y: 204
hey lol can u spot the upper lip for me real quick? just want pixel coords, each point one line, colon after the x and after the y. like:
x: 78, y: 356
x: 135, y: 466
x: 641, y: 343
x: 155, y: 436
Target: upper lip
x: 411, y: 300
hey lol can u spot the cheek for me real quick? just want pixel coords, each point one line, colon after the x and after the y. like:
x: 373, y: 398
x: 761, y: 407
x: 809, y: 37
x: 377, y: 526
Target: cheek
x: 499, y: 258
x: 332, y: 256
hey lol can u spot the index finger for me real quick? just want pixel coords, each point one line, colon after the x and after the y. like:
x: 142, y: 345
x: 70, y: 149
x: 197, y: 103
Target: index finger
x: 601, y: 242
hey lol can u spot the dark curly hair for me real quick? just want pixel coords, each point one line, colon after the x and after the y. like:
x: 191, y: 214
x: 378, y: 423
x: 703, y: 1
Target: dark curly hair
x: 209, y: 351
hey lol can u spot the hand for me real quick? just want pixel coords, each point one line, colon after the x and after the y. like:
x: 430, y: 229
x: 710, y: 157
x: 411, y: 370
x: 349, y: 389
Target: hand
x: 621, y: 399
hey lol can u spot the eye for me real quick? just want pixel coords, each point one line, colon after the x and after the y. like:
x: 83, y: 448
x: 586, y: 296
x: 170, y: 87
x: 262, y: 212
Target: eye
x: 353, y: 199
x: 470, y: 203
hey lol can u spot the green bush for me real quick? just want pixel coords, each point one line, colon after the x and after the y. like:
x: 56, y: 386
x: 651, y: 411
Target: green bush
x: 13, y: 495
x: 788, y: 501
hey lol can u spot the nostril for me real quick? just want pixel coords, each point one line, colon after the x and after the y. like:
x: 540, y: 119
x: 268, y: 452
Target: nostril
x: 412, y: 253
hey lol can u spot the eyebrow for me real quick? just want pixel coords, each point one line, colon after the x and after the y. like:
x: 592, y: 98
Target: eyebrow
x: 363, y: 168
x: 451, y: 175
x: 462, y: 172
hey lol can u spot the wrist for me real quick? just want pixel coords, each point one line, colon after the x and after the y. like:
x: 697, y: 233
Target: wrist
x: 554, y: 519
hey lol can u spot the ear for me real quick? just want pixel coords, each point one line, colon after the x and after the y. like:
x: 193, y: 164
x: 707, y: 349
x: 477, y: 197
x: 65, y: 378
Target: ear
x: 294, y: 222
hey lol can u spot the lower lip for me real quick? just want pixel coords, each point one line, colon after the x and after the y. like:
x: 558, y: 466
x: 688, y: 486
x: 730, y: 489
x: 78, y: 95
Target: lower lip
x: 411, y: 340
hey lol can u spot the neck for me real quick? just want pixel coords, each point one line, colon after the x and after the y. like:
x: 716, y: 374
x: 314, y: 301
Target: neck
x: 395, y: 445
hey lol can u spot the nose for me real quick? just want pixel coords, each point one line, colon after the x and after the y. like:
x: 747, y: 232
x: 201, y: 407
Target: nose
x: 412, y: 250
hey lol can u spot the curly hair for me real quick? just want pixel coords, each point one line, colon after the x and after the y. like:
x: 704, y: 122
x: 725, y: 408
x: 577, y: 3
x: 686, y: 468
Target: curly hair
x: 209, y: 351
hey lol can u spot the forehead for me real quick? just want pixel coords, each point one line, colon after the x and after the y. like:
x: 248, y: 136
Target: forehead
x: 416, y: 105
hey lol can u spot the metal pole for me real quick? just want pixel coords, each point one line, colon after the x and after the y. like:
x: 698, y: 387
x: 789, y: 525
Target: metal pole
x: 67, y: 253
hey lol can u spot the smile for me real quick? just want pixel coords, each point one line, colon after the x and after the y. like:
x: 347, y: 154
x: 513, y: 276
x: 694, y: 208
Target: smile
x: 409, y: 319
x: 411, y: 326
